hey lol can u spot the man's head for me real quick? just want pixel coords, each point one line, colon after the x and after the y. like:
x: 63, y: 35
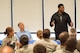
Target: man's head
x: 61, y: 8
x: 46, y: 33
x: 63, y: 37
x: 9, y: 31
x: 73, y: 32
x: 39, y: 49
x: 40, y: 34
x: 24, y: 40
x: 71, y: 44
x: 21, y: 25
x: 6, y: 49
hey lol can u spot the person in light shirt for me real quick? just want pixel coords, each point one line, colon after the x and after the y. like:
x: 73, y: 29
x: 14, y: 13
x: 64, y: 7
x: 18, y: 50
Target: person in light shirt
x: 22, y: 31
x: 47, y: 42
x: 10, y: 39
x: 63, y: 38
x: 70, y: 46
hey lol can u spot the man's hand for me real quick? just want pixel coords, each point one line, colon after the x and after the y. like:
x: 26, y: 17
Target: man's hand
x: 71, y: 24
x: 52, y: 23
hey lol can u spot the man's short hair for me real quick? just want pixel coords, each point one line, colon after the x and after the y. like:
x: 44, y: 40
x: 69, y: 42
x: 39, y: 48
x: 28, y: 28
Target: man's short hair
x: 46, y: 33
x: 63, y: 37
x: 24, y: 39
x: 60, y: 5
x: 73, y: 30
x: 71, y: 43
x: 39, y: 49
x: 20, y: 23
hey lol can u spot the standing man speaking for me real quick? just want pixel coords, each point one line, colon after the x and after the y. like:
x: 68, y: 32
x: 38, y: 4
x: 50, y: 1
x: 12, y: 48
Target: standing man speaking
x: 60, y: 19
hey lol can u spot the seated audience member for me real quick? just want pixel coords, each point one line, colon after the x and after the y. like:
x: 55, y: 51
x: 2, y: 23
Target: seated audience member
x: 78, y: 45
x: 10, y: 39
x: 22, y: 31
x: 25, y: 48
x: 6, y: 49
x: 72, y: 32
x: 63, y: 38
x: 38, y: 48
x: 47, y: 42
x: 40, y: 34
x: 70, y: 46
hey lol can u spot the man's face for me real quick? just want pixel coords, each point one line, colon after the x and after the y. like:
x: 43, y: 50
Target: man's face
x: 21, y: 26
x: 11, y: 33
x: 61, y: 8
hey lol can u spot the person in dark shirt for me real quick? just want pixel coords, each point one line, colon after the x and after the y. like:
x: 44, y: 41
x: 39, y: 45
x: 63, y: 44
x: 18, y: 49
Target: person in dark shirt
x: 60, y: 19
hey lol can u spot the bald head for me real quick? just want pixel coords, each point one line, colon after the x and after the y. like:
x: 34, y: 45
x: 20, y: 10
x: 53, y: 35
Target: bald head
x: 6, y: 49
x: 63, y: 37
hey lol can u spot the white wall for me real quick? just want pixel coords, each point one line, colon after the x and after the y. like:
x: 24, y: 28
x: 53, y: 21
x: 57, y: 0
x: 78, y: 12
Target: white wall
x: 78, y: 15
x: 30, y: 13
x: 5, y: 14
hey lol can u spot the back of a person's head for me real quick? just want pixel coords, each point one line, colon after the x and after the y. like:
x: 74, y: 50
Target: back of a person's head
x: 72, y: 35
x: 63, y: 37
x: 8, y: 30
x: 71, y: 44
x: 78, y: 45
x: 6, y: 49
x: 72, y: 30
x: 24, y: 40
x: 46, y: 33
x: 38, y: 48
x: 40, y: 34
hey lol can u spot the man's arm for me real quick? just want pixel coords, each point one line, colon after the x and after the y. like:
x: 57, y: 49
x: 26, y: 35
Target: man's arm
x: 71, y: 24
x: 52, y: 22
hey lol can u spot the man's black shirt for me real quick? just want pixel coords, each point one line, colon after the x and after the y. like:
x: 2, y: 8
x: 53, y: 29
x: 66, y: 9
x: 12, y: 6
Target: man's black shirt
x: 60, y: 26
